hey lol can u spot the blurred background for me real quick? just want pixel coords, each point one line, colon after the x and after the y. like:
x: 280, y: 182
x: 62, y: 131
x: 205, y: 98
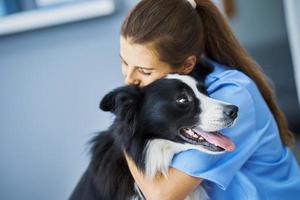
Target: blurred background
x: 59, y: 57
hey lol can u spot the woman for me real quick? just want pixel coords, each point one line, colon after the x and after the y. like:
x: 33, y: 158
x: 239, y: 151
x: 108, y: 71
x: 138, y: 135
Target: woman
x: 159, y: 37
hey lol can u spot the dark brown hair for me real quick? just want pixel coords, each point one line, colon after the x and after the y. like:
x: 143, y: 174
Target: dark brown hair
x: 176, y: 30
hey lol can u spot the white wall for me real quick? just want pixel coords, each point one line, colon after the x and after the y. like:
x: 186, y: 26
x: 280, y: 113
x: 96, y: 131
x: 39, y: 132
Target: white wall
x: 292, y: 10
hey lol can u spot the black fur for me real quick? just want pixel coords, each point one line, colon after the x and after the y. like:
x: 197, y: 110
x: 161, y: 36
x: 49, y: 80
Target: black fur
x: 141, y: 114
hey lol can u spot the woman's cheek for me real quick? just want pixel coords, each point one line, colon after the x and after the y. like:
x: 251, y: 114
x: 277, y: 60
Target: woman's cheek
x: 150, y: 79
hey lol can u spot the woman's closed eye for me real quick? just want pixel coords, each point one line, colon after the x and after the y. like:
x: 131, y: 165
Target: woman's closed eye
x: 140, y: 70
x: 144, y: 71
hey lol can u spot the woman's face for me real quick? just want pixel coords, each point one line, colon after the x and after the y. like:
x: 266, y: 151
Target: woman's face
x: 140, y: 64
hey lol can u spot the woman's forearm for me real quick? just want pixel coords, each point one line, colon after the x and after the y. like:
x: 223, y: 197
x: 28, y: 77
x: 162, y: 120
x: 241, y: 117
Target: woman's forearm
x: 176, y: 187
x: 142, y: 182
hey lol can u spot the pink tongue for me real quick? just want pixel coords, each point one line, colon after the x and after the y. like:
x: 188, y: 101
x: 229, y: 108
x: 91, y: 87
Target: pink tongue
x: 216, y: 139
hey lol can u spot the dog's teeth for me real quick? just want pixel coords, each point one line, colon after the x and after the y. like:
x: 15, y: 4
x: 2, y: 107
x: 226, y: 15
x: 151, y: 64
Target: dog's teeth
x: 201, y: 138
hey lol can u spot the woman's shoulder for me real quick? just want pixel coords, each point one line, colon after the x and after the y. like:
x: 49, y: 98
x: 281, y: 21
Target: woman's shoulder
x: 235, y: 87
x: 225, y: 76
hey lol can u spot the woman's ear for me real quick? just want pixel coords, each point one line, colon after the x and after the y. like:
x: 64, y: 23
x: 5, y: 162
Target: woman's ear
x: 188, y: 65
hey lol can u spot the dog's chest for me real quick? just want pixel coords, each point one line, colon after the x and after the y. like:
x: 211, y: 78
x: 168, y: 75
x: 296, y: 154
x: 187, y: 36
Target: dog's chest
x: 159, y: 154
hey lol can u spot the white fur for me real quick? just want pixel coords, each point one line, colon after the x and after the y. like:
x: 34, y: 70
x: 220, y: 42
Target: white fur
x: 212, y: 115
x: 159, y: 154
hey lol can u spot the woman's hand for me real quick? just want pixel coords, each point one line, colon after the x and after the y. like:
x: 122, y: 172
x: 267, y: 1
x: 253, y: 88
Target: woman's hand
x: 177, y: 186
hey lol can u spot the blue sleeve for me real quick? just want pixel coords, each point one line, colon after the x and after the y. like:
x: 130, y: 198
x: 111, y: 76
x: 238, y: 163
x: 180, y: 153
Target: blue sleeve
x: 221, y: 168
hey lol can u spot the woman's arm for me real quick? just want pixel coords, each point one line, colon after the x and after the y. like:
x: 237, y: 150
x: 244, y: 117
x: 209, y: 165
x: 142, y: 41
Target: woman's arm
x: 177, y: 186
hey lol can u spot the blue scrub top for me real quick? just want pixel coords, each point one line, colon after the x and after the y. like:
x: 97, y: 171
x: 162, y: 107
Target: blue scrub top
x: 261, y: 167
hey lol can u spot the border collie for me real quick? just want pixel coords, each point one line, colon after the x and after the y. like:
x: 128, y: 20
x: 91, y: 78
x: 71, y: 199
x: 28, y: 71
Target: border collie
x: 151, y: 124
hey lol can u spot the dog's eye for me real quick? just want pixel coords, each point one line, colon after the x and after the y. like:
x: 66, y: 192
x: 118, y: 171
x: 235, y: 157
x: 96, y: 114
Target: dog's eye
x: 183, y: 100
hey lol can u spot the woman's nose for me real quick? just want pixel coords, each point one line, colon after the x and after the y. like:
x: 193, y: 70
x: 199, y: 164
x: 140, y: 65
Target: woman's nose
x: 131, y: 78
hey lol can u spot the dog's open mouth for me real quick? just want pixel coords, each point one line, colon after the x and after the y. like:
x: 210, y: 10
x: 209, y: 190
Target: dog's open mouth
x: 212, y: 141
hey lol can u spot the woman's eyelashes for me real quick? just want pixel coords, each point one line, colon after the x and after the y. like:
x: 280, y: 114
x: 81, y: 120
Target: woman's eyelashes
x: 140, y: 69
x: 145, y: 72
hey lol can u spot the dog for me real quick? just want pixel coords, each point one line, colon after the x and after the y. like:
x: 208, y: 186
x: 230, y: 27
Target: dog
x: 151, y: 125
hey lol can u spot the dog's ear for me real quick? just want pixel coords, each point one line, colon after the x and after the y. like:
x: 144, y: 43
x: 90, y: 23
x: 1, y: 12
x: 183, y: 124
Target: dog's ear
x: 120, y: 98
x: 201, y: 70
x: 124, y: 102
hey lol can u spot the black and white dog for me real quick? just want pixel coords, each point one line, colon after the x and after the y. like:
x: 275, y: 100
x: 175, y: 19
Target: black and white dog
x: 151, y: 124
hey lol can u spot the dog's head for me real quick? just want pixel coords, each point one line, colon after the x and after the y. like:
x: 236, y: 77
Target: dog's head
x: 175, y: 108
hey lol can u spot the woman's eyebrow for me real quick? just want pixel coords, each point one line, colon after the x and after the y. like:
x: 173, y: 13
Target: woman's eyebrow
x: 147, y: 68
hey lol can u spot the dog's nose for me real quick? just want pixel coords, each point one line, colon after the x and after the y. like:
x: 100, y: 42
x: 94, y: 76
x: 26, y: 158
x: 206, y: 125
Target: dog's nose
x: 231, y: 111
